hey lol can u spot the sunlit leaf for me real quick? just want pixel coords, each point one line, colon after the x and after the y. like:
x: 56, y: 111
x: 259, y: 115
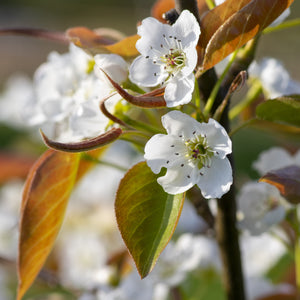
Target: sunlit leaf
x: 44, y: 202
x: 284, y: 110
x: 125, y: 47
x: 14, y: 166
x: 162, y: 6
x: 95, y: 43
x: 216, y: 18
x: 287, y: 181
x: 146, y: 216
x: 232, y: 24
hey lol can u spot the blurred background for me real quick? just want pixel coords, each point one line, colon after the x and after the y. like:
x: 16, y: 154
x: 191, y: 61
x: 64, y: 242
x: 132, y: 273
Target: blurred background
x: 26, y: 54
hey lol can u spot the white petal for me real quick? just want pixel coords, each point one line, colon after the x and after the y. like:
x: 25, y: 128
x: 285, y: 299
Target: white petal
x: 272, y: 159
x: 178, y: 180
x: 191, y: 61
x: 216, y: 180
x: 114, y: 65
x: 179, y: 124
x: 187, y: 28
x: 180, y: 91
x: 142, y: 72
x: 217, y: 137
x: 87, y: 120
x: 151, y: 32
x: 164, y: 151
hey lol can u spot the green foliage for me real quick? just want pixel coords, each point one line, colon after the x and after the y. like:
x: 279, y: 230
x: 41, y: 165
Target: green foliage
x: 203, y: 285
x: 146, y: 215
x: 284, y: 110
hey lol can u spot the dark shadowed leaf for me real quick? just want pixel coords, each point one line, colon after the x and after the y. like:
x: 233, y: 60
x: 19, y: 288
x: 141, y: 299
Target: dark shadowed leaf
x: 146, y: 216
x: 44, y: 202
x: 162, y: 6
x: 287, y: 181
x: 284, y: 110
x: 232, y: 24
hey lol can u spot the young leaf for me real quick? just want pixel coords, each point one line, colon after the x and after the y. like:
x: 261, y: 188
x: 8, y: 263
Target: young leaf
x: 287, y: 181
x: 94, y: 43
x: 284, y: 110
x: 146, y: 216
x: 44, y: 202
x: 241, y: 21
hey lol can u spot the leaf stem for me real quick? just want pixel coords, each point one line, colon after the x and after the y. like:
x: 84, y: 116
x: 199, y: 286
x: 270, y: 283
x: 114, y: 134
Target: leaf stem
x: 210, y: 3
x: 103, y: 162
x: 284, y: 25
x: 253, y: 93
x: 214, y: 93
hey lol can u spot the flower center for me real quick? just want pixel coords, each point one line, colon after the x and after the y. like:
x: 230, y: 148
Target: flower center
x: 174, y: 61
x: 199, y: 151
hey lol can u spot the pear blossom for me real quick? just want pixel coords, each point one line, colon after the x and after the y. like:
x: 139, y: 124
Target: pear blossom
x: 193, y: 153
x: 67, y: 91
x: 260, y: 206
x: 168, y: 57
x: 275, y: 79
x: 274, y: 159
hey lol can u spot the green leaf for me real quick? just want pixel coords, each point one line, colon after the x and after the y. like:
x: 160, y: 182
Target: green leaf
x: 284, y: 110
x: 146, y: 216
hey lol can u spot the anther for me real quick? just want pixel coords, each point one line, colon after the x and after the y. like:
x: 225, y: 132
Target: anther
x: 176, y: 153
x: 188, y: 176
x: 181, y: 165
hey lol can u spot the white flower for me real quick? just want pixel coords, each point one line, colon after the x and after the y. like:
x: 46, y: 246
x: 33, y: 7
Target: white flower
x: 193, y: 153
x: 260, y: 206
x: 82, y: 260
x: 68, y: 92
x: 168, y: 57
x: 274, y: 78
x: 274, y: 159
x: 261, y: 253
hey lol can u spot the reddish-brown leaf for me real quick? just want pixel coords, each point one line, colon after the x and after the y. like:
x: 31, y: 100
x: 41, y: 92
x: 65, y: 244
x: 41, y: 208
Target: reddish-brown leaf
x: 238, y: 26
x: 216, y: 17
x: 162, y: 6
x: 45, y: 197
x: 85, y: 145
x: 95, y: 43
x: 14, y: 166
x: 279, y: 296
x: 287, y: 181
